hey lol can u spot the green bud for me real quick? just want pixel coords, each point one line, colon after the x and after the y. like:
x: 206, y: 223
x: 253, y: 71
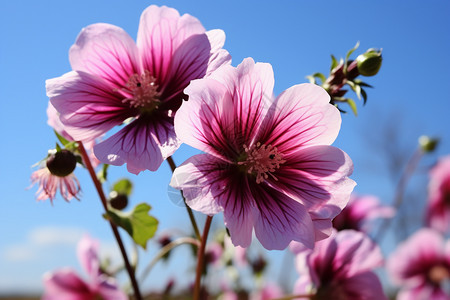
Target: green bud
x: 428, y: 144
x: 369, y: 63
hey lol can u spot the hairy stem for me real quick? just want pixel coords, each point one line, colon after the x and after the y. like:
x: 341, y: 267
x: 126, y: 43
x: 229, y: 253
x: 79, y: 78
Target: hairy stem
x: 201, y: 258
x: 173, y: 166
x: 166, y: 249
x: 101, y: 194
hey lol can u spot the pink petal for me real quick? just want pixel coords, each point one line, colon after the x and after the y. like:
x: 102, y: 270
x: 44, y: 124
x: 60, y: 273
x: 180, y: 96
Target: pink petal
x: 281, y: 220
x: 219, y: 56
x: 143, y: 144
x: 301, y: 116
x: 225, y: 110
x: 317, y: 177
x: 66, y: 284
x: 364, y: 286
x: 88, y: 105
x: 55, y: 122
x: 161, y: 32
x: 87, y: 250
x: 199, y: 177
x: 109, y: 290
x: 106, y: 51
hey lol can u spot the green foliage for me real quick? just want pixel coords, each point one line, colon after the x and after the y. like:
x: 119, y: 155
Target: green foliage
x: 123, y: 186
x: 138, y: 223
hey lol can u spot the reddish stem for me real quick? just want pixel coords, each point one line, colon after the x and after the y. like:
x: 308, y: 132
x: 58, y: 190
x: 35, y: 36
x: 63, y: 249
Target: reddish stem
x: 101, y: 194
x: 201, y: 258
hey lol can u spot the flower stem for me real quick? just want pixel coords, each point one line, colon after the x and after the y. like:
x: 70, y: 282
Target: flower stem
x: 173, y: 166
x: 166, y: 249
x: 400, y: 190
x: 101, y: 194
x: 201, y: 258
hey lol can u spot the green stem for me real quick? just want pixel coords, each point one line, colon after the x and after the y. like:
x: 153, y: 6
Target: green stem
x: 201, y: 258
x: 101, y: 194
x: 173, y: 166
x: 166, y: 249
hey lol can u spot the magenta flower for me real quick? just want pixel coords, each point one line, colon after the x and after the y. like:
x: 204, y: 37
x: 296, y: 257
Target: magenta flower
x: 421, y: 266
x: 115, y: 81
x: 268, y: 164
x: 360, y: 212
x: 438, y: 206
x: 66, y: 284
x: 340, y: 268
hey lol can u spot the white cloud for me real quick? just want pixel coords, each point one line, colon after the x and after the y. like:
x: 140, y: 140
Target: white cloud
x: 51, y: 236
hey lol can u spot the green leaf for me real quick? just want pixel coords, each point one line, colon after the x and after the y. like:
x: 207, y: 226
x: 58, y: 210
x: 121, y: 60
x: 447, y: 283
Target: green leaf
x: 138, y: 223
x: 364, y: 95
x: 334, y: 62
x: 62, y: 139
x: 311, y: 79
x: 123, y: 186
x: 103, y: 173
x: 352, y: 105
x: 350, y: 52
x: 355, y: 87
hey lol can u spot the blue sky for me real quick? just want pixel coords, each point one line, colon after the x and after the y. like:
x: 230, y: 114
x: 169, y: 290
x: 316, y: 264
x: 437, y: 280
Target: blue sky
x: 296, y: 37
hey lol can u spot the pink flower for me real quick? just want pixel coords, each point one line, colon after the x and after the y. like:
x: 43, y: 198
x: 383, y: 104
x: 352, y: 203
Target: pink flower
x: 269, y: 291
x: 340, y: 268
x: 268, y: 165
x: 115, y: 81
x: 359, y: 213
x: 421, y: 266
x: 66, y: 284
x: 438, y: 207
x: 69, y: 186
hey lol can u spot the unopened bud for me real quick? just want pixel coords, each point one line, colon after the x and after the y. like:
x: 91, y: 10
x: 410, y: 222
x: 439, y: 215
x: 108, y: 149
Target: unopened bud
x: 369, y: 63
x: 61, y: 163
x: 428, y: 144
x: 118, y: 200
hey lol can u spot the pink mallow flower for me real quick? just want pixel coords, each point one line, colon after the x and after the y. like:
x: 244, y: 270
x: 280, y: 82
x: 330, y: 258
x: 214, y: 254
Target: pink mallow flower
x: 66, y: 284
x: 116, y: 81
x: 438, y: 206
x: 56, y: 173
x: 268, y: 164
x: 421, y: 267
x: 360, y: 213
x: 339, y: 268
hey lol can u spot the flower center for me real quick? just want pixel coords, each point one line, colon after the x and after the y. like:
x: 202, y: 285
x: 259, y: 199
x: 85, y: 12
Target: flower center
x: 144, y: 91
x: 438, y: 273
x: 261, y: 161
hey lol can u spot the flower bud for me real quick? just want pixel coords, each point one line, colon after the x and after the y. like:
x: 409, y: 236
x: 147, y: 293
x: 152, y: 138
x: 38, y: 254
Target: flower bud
x: 118, y: 200
x: 369, y: 63
x: 61, y: 163
x: 428, y: 144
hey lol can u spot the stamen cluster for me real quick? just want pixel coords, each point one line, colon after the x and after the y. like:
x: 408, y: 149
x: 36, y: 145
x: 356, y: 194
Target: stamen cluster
x: 262, y: 161
x: 144, y: 91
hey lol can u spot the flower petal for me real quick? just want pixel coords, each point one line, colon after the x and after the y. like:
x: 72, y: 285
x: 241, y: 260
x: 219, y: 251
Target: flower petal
x: 66, y: 284
x: 161, y: 32
x: 281, y: 220
x: 301, y: 116
x: 224, y: 110
x: 88, y: 105
x: 106, y: 51
x: 143, y: 144
x: 198, y: 176
x: 108, y: 289
x: 317, y: 177
x: 87, y: 250
x: 219, y: 56
x: 364, y: 286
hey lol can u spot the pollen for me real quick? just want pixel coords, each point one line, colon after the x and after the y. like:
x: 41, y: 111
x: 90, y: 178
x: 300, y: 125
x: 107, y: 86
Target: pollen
x: 262, y: 161
x: 143, y: 90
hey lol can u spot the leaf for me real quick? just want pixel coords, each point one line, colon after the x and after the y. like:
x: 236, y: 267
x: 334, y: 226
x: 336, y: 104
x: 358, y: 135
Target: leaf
x: 350, y: 52
x: 62, y: 139
x: 355, y: 87
x: 123, y: 186
x: 334, y: 62
x: 352, y: 105
x: 103, y: 173
x: 311, y: 79
x: 138, y: 223
x: 364, y: 95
